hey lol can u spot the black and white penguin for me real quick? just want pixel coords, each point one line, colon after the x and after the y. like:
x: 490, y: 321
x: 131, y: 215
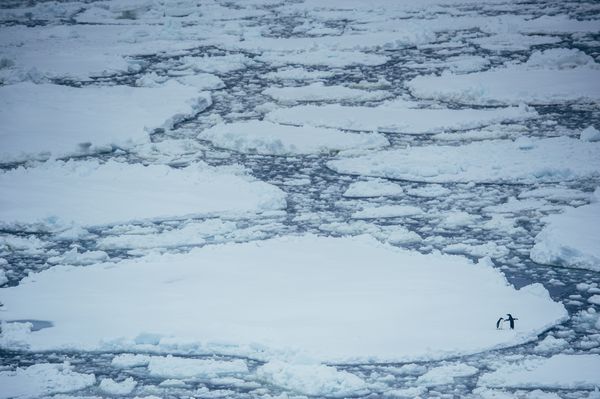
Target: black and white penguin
x: 511, y: 320
x: 500, y: 320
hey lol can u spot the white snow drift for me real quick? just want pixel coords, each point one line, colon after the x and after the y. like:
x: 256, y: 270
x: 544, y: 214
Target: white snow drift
x: 55, y: 120
x: 89, y: 193
x: 571, y: 238
x: 313, y: 296
x: 271, y: 138
x: 541, y: 160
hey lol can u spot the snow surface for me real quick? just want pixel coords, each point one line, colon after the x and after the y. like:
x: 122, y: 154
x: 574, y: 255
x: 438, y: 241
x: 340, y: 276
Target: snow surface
x: 41, y: 120
x: 571, y: 238
x: 42, y: 379
x: 91, y: 193
x: 397, y: 117
x: 274, y: 139
x: 545, y: 160
x: 304, y: 294
x: 559, y: 371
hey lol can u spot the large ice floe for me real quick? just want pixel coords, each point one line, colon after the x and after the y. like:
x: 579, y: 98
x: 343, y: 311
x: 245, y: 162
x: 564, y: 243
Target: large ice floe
x: 275, y: 139
x: 520, y: 161
x: 71, y: 120
x: 304, y: 296
x: 571, y: 238
x: 92, y: 193
x: 548, y: 77
x: 397, y: 117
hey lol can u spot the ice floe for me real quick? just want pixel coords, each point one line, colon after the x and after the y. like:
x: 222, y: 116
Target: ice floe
x: 178, y: 367
x: 373, y: 188
x: 43, y: 379
x: 445, y: 374
x: 549, y: 77
x: 275, y: 139
x: 571, y: 238
x: 112, y: 387
x: 91, y: 193
x: 72, y: 120
x: 558, y: 372
x: 387, y: 211
x: 312, y: 379
x: 548, y: 160
x: 397, y: 117
x: 307, y: 294
x: 320, y: 92
x: 329, y: 58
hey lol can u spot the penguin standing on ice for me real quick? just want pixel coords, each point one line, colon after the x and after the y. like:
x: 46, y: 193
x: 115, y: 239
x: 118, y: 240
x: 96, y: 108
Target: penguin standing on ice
x: 511, y: 320
x: 500, y: 320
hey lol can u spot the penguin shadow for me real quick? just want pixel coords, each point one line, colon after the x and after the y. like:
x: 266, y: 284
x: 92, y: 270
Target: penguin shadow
x: 501, y: 321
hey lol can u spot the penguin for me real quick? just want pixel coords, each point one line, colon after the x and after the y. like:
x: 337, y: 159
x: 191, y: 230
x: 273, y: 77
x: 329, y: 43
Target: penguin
x: 500, y: 320
x: 511, y: 320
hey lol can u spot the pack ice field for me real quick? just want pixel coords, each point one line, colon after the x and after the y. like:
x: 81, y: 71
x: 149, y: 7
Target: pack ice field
x: 300, y: 199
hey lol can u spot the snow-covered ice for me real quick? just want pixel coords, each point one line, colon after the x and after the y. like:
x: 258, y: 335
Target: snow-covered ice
x: 312, y: 379
x: 397, y: 117
x: 320, y: 92
x: 443, y: 375
x: 559, y: 371
x: 373, y: 188
x: 275, y: 139
x: 551, y: 77
x: 91, y: 193
x: 571, y: 238
x: 112, y: 387
x: 177, y: 367
x: 306, y: 294
x: 548, y: 160
x: 42, y: 379
x: 52, y: 120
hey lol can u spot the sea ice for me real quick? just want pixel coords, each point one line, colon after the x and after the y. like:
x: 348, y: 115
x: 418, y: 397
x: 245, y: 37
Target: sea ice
x: 311, y: 379
x: 319, y: 92
x: 373, y: 188
x: 298, y: 74
x: 549, y: 160
x: 332, y: 59
x: 91, y: 193
x: 112, y: 387
x: 42, y: 379
x: 181, y: 367
x: 513, y: 41
x: 301, y: 295
x: 397, y: 117
x: 445, y: 374
x: 547, y: 78
x: 571, y: 238
x: 558, y: 372
x: 275, y: 139
x: 590, y: 134
x: 71, y: 120
x: 387, y: 211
